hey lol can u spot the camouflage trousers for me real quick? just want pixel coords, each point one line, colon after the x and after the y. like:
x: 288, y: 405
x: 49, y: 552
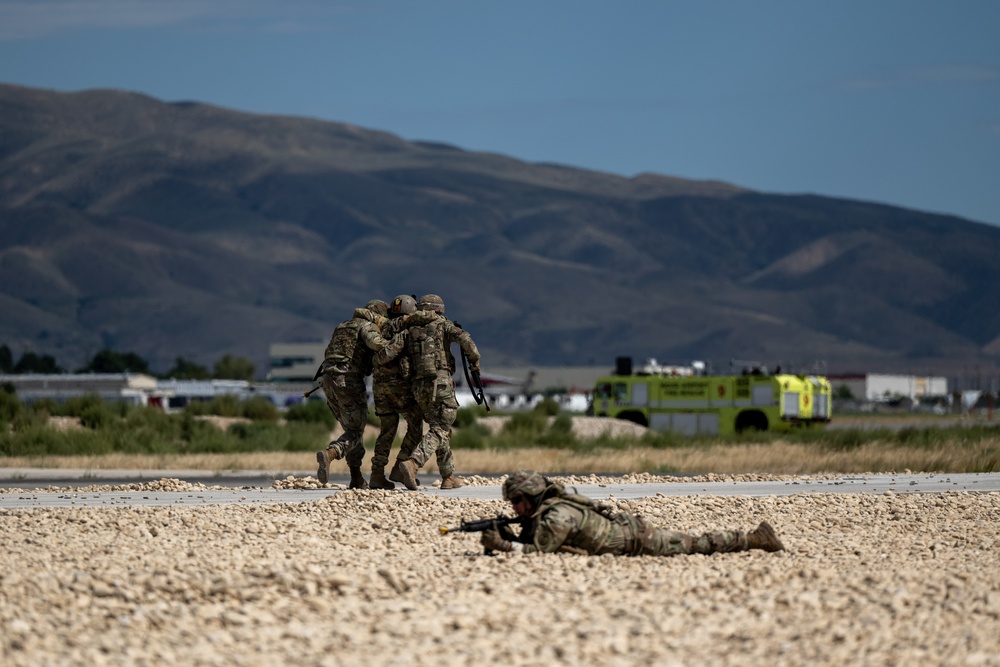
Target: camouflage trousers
x: 652, y: 541
x: 436, y: 398
x: 348, y: 401
x: 391, y: 400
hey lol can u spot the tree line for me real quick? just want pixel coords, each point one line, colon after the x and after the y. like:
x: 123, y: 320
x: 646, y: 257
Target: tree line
x: 110, y: 361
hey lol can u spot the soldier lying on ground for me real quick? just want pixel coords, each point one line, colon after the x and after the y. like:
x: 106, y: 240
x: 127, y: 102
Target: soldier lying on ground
x: 562, y: 521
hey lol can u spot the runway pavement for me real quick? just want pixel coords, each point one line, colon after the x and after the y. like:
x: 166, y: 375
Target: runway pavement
x: 254, y: 487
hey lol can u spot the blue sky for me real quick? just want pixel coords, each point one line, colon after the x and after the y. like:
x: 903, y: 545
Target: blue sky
x: 883, y: 100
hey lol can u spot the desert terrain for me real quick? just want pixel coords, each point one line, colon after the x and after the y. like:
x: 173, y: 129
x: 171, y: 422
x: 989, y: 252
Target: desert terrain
x: 366, y: 577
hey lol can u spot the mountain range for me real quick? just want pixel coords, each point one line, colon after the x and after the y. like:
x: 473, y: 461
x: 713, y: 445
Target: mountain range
x: 184, y: 229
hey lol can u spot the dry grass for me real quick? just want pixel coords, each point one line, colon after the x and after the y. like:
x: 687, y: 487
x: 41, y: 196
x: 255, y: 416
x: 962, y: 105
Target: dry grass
x: 778, y: 457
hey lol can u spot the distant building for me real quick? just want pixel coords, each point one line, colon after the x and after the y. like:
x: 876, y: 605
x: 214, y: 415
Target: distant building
x: 118, y: 387
x: 878, y: 387
x: 138, y: 389
x: 178, y: 393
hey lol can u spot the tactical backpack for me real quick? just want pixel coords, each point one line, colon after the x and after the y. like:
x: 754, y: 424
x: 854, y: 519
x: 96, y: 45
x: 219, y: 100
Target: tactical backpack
x: 345, y: 347
x: 427, y: 347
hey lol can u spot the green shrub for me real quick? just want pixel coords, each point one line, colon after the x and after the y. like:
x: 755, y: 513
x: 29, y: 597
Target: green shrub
x: 96, y: 416
x: 199, y: 408
x: 33, y: 438
x: 78, y: 405
x: 10, y: 407
x: 562, y: 424
x: 226, y: 405
x: 268, y: 436
x: 45, y: 406
x: 302, y: 438
x: 260, y: 408
x: 559, y: 434
x: 467, y: 416
x: 313, y: 412
x: 29, y: 418
x: 473, y: 436
x: 243, y: 430
x: 526, y: 424
x: 548, y: 407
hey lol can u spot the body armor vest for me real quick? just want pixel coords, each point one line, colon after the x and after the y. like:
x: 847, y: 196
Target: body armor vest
x: 346, y: 348
x: 398, y: 369
x: 596, y: 526
x: 428, y: 349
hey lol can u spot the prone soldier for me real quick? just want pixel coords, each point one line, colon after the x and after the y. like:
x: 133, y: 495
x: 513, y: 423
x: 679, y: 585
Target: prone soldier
x: 558, y: 521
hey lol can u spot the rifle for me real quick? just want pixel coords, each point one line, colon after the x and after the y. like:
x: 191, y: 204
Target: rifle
x: 485, y: 524
x: 319, y: 372
x: 475, y: 383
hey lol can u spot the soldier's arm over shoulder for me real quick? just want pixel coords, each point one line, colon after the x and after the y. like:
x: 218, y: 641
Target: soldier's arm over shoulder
x: 418, y: 319
x: 371, y: 336
x: 391, y: 349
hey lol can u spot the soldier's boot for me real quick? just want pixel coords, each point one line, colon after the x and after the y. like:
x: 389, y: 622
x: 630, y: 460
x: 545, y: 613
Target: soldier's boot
x: 378, y: 480
x: 406, y: 473
x: 452, y: 482
x: 396, y: 476
x: 764, y: 538
x: 357, y: 479
x: 323, y: 458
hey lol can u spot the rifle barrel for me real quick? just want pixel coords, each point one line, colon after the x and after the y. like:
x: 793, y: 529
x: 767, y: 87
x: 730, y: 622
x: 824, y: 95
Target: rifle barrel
x: 480, y: 525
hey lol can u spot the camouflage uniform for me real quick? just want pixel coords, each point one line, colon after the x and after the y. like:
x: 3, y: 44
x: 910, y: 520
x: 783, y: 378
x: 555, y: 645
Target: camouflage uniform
x: 393, y: 397
x: 573, y: 523
x: 428, y: 353
x: 569, y: 522
x: 347, y: 362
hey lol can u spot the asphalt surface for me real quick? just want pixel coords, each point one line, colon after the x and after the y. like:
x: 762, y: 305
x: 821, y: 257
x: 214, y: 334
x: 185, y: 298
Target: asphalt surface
x: 254, y: 487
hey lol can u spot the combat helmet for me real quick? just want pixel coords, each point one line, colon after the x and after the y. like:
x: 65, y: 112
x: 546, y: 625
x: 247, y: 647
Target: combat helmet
x: 378, y: 306
x: 524, y: 483
x: 404, y: 304
x: 431, y: 302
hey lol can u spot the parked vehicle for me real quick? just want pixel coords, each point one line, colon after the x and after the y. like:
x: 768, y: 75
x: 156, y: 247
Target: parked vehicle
x: 690, y: 400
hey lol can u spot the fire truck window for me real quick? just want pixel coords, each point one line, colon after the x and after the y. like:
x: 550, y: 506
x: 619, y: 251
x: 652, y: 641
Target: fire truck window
x: 604, y: 390
x: 621, y: 391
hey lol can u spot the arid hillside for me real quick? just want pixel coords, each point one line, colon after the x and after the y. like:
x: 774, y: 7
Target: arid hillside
x: 180, y: 229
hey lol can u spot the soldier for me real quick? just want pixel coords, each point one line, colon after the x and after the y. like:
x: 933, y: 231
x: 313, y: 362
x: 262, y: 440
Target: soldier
x: 571, y: 523
x: 394, y: 396
x: 347, y: 362
x: 428, y: 352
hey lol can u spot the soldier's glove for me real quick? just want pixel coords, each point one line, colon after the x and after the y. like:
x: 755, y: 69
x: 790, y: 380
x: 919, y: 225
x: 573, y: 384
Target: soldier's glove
x: 491, y: 541
x: 506, y: 533
x: 474, y: 367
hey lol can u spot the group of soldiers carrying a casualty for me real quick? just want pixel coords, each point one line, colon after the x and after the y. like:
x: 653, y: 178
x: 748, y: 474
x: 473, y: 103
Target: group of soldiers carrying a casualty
x: 406, y: 347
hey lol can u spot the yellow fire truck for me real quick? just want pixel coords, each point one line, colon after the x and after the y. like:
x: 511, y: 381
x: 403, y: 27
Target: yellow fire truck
x: 689, y: 400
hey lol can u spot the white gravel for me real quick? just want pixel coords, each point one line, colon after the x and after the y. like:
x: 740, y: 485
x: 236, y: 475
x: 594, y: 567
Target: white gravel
x: 366, y: 578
